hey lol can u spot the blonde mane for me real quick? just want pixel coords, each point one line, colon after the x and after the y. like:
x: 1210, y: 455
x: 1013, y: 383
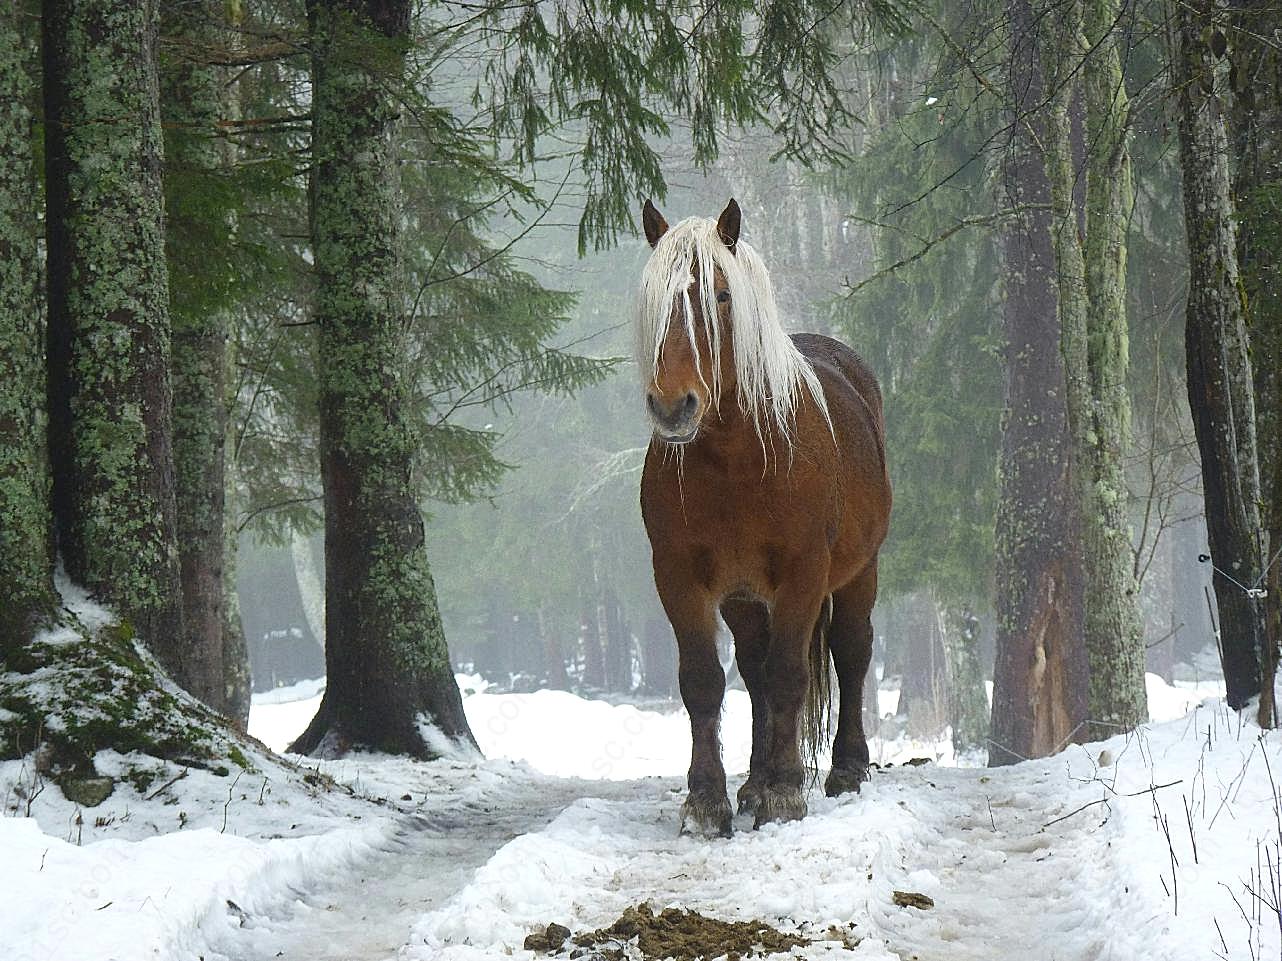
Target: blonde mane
x: 771, y: 371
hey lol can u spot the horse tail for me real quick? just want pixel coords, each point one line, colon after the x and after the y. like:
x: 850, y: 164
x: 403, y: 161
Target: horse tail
x: 816, y: 717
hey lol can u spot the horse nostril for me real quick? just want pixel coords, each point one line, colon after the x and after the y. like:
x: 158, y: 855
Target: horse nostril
x: 691, y: 403
x: 652, y: 404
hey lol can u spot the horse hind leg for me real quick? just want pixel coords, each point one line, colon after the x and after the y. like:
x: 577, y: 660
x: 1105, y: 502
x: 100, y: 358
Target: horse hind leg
x: 749, y: 622
x: 850, y: 641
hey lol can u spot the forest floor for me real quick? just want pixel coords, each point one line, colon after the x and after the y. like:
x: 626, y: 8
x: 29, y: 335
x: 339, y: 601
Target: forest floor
x: 1164, y: 844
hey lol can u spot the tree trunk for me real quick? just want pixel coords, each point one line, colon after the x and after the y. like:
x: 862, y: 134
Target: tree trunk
x: 26, y: 561
x: 659, y: 657
x: 390, y: 682
x: 967, y: 698
x: 1257, y: 187
x: 618, y: 645
x: 1093, y: 338
x: 593, y: 649
x: 110, y: 405
x: 1040, y: 673
x: 923, y: 688
x: 193, y: 102
x: 1219, y: 364
x: 553, y: 658
x: 1113, y: 627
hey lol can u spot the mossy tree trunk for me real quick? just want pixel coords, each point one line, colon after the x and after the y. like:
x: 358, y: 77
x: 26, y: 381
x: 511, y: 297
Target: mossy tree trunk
x: 26, y: 562
x: 967, y: 698
x: 194, y: 95
x: 1091, y: 195
x: 110, y: 403
x: 1218, y: 361
x: 1040, y: 675
x: 389, y: 672
x: 1256, y: 143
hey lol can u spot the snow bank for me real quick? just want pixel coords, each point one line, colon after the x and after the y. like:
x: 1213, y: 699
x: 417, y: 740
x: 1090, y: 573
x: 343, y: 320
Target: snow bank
x: 158, y: 898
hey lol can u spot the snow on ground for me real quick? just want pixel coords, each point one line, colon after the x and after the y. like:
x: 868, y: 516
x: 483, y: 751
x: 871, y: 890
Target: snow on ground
x: 1159, y: 845
x: 563, y: 735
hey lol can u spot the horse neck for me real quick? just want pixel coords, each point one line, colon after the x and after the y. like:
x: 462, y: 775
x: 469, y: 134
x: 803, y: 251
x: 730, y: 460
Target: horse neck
x: 729, y: 435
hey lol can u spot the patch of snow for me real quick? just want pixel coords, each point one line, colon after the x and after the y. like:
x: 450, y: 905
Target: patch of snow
x: 309, y: 689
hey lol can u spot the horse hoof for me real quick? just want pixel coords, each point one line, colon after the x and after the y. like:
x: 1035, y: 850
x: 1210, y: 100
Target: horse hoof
x: 845, y: 780
x: 780, y: 804
x: 750, y: 797
x: 707, y: 817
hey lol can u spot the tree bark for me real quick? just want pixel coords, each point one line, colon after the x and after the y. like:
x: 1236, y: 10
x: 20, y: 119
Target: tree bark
x: 618, y: 644
x: 553, y: 658
x: 1040, y: 673
x: 1256, y: 124
x: 194, y: 99
x: 659, y: 657
x: 967, y: 698
x: 390, y: 681
x: 593, y: 650
x: 1089, y: 237
x: 1218, y: 361
x: 1113, y: 627
x: 110, y: 404
x: 26, y: 559
x: 923, y: 688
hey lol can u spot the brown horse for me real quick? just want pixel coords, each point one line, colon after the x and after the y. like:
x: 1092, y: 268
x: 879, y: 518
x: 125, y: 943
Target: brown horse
x: 765, y: 495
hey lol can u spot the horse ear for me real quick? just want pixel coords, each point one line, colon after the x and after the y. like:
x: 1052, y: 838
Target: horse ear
x: 728, y: 224
x: 653, y: 222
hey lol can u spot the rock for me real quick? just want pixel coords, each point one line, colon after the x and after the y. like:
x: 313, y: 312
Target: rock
x: 88, y: 792
x: 556, y: 934
x: 911, y: 899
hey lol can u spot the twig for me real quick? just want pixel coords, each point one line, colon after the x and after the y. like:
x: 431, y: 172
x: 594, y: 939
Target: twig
x: 168, y: 784
x: 230, y: 789
x: 1103, y: 800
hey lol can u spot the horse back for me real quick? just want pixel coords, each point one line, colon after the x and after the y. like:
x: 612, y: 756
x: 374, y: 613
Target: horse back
x: 846, y: 369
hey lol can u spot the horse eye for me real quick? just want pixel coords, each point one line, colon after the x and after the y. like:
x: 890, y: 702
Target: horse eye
x: 723, y: 296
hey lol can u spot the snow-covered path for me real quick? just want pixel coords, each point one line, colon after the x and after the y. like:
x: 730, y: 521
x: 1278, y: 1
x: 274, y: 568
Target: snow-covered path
x: 367, y: 914
x: 1162, y: 845
x: 1005, y: 885
x: 1008, y: 876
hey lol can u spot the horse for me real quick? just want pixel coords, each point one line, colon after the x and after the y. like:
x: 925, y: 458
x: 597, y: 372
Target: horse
x: 765, y: 496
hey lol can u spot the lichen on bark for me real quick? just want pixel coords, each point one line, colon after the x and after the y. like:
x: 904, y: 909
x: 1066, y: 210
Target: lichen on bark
x: 110, y: 397
x: 1091, y: 194
x: 25, y: 552
x: 386, y: 657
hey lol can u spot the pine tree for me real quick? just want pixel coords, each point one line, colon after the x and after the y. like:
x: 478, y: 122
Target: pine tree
x: 1256, y: 145
x: 390, y: 676
x: 110, y: 403
x: 1219, y: 362
x: 1087, y: 133
x: 1039, y: 681
x: 200, y: 229
x: 26, y: 562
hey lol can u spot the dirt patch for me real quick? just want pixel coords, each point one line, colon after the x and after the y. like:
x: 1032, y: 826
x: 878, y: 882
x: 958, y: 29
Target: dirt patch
x: 672, y: 933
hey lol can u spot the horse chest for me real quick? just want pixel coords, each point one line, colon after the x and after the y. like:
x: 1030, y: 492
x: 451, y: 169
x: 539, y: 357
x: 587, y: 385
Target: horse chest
x: 733, y: 526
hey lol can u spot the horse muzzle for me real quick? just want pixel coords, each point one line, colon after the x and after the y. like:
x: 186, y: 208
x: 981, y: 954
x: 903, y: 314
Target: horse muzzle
x: 676, y: 422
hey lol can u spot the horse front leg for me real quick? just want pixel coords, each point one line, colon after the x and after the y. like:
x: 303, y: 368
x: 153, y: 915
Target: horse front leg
x: 787, y: 667
x: 692, y: 612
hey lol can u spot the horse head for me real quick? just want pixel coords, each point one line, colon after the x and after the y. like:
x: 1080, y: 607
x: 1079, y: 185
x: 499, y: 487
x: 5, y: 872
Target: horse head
x: 692, y: 354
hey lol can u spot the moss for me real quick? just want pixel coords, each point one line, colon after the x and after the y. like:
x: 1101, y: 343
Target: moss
x: 237, y: 757
x: 74, y: 693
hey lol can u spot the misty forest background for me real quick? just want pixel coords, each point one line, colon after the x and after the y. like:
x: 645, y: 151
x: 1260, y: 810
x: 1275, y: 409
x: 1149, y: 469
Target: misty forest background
x: 323, y: 300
